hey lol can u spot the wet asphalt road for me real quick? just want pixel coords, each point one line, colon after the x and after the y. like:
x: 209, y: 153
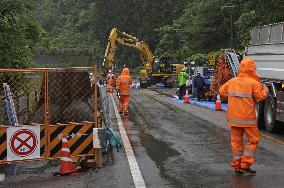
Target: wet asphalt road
x: 191, y: 152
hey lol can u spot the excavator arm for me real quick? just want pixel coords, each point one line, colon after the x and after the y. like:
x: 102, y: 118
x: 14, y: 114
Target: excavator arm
x: 123, y: 38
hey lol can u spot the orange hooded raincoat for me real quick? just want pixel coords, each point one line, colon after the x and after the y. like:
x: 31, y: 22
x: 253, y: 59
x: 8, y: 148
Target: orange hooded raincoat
x: 242, y: 92
x: 123, y: 83
x: 110, y: 82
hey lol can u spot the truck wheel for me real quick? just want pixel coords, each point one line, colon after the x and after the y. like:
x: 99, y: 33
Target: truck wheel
x: 270, y: 114
x: 259, y: 110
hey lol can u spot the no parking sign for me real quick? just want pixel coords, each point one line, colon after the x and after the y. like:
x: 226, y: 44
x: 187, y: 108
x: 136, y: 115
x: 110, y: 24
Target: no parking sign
x: 23, y: 143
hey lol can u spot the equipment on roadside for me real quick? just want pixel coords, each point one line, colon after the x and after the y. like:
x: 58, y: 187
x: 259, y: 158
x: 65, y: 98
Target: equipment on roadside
x: 226, y: 68
x: 267, y: 49
x: 66, y: 165
x: 112, y: 140
x: 154, y: 70
x: 186, y: 97
x: 11, y: 112
x: 218, y: 105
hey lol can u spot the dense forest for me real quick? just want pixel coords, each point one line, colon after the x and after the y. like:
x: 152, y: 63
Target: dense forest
x: 185, y: 29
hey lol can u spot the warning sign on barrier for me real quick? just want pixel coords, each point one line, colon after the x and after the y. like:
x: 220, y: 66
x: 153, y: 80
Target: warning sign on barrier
x: 23, y: 143
x: 79, y: 135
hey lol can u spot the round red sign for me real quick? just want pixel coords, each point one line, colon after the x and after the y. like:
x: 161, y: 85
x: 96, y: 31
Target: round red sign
x: 23, y: 142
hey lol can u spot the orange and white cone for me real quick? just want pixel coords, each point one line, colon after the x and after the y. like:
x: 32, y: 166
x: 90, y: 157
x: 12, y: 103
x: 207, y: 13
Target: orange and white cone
x: 218, y: 105
x: 186, y: 97
x: 66, y: 165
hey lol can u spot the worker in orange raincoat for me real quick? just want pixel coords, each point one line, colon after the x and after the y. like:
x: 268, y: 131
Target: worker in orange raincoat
x: 110, y: 81
x: 242, y: 92
x: 123, y: 83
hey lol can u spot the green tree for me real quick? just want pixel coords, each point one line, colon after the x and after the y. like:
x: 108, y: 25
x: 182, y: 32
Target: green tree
x: 69, y: 26
x: 244, y: 24
x: 19, y: 33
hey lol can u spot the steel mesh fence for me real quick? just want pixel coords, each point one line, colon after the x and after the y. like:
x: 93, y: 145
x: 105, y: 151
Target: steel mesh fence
x: 70, y: 95
x: 25, y: 87
x: 66, y: 96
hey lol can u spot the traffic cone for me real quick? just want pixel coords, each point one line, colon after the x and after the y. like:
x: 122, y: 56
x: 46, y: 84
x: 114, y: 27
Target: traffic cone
x: 218, y: 105
x: 66, y: 165
x: 186, y: 97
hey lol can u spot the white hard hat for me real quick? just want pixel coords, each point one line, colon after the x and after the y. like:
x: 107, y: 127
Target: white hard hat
x: 109, y: 71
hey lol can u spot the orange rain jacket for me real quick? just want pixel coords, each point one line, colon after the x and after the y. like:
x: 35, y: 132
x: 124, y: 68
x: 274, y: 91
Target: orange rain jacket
x: 242, y: 92
x: 123, y: 82
x: 110, y: 79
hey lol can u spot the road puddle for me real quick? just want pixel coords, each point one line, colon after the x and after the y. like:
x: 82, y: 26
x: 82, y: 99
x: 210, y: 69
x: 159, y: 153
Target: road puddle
x: 158, y: 150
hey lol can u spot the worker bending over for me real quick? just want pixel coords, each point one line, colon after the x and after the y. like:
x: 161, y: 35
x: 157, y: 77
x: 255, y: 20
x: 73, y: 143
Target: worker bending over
x: 242, y: 92
x: 110, y: 81
x: 123, y: 87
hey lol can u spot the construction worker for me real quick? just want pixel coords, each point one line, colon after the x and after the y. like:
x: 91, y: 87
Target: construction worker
x: 242, y: 92
x: 188, y: 82
x: 123, y: 87
x: 110, y: 81
x: 199, y: 84
x: 182, y: 76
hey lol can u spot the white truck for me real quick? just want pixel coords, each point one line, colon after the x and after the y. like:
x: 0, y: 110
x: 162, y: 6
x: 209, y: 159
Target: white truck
x: 267, y: 49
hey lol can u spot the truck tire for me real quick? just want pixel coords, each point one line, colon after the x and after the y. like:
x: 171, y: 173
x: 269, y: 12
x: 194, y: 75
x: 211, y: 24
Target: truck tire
x: 270, y: 114
x: 259, y: 110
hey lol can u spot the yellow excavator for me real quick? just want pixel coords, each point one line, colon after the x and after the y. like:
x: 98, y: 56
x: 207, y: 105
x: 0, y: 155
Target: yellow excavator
x: 154, y: 70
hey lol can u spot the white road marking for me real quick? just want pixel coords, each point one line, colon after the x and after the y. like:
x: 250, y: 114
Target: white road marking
x: 134, y: 168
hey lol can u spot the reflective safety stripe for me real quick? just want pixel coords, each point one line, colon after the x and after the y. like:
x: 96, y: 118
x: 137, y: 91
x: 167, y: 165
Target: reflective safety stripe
x: 250, y: 154
x: 66, y: 159
x: 237, y: 157
x: 124, y: 82
x: 252, y: 122
x: 124, y: 93
x: 237, y: 152
x: 242, y: 95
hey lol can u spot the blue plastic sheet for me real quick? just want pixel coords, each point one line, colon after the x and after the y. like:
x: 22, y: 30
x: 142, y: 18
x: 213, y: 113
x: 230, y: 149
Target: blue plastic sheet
x: 206, y: 104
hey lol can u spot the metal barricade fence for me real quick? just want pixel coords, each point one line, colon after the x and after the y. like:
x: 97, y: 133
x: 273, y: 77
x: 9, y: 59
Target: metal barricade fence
x: 58, y: 100
x: 26, y: 88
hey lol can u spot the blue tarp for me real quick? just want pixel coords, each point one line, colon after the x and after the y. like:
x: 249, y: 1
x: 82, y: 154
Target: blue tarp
x: 206, y: 104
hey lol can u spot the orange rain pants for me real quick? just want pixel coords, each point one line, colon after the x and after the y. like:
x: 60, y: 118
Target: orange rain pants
x: 123, y: 104
x: 243, y: 158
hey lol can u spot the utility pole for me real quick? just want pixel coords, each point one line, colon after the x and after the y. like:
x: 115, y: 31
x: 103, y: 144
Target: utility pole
x: 231, y: 16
